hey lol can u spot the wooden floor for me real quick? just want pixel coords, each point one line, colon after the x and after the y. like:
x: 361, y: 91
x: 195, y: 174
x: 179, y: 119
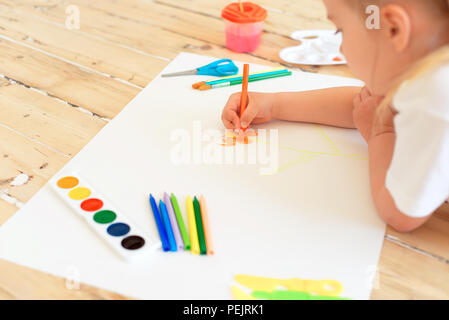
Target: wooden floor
x: 59, y: 87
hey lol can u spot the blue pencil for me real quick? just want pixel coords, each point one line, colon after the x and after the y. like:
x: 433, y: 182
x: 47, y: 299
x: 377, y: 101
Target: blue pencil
x: 168, y: 228
x: 160, y: 226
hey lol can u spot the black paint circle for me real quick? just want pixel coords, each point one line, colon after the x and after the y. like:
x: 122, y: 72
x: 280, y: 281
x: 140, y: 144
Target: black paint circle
x: 133, y: 242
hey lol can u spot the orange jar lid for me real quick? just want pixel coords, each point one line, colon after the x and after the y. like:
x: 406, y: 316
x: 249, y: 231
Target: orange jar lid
x: 251, y: 13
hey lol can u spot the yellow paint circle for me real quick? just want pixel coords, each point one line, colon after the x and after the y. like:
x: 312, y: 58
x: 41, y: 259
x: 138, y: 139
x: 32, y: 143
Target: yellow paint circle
x: 68, y: 182
x: 79, y: 193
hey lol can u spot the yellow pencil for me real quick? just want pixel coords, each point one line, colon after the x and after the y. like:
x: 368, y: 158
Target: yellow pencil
x: 209, y: 245
x: 192, y: 226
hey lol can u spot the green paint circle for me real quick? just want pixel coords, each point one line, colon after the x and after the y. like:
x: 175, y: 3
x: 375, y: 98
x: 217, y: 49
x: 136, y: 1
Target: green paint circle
x: 105, y: 216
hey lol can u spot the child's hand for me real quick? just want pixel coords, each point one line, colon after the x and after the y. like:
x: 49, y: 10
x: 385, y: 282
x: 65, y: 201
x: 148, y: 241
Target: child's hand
x: 364, y: 114
x: 259, y: 110
x: 384, y: 122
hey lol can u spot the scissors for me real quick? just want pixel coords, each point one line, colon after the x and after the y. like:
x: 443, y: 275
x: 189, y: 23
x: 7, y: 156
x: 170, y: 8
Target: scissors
x: 220, y: 68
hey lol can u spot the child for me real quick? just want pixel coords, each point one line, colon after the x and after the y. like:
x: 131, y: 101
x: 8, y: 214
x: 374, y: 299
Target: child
x: 402, y: 113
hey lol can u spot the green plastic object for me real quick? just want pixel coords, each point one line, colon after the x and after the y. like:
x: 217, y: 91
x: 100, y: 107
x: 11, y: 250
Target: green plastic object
x: 182, y: 226
x: 291, y: 295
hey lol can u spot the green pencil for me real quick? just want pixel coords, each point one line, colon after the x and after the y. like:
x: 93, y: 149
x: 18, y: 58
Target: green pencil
x: 236, y: 82
x: 182, y: 226
x: 199, y: 226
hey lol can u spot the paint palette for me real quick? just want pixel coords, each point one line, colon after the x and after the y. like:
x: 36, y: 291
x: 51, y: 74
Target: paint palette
x: 112, y: 226
x: 318, y: 47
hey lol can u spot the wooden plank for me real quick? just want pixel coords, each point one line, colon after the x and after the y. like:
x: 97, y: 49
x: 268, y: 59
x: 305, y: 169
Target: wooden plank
x: 283, y: 15
x: 182, y: 22
x: 283, y: 18
x: 93, y: 53
x: 432, y: 238
x: 280, y: 21
x: 22, y: 155
x: 4, y: 82
x: 192, y: 24
x: 405, y: 274
x: 18, y: 282
x: 157, y: 36
x: 6, y: 211
x: 99, y: 94
x: 47, y: 120
x: 443, y: 212
x: 149, y: 39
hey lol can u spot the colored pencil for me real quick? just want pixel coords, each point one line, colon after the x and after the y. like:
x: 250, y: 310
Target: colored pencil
x: 206, y: 226
x: 167, y: 225
x: 159, y: 224
x: 182, y: 226
x: 244, y: 96
x: 174, y: 223
x: 238, y: 77
x: 192, y: 226
x: 233, y: 83
x: 199, y: 226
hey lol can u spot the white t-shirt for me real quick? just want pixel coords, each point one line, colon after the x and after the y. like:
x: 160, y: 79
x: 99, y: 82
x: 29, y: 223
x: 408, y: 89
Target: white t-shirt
x: 418, y: 178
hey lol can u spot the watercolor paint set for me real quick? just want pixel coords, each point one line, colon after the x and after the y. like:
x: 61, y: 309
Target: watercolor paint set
x: 172, y: 229
x: 106, y: 220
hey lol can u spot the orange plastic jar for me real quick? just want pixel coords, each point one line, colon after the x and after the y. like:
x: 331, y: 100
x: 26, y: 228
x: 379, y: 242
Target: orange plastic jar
x: 243, y: 29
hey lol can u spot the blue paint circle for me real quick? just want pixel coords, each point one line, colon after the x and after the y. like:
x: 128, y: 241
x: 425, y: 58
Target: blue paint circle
x: 118, y: 229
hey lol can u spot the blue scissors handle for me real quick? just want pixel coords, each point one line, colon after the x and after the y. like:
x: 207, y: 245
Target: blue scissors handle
x: 220, y: 68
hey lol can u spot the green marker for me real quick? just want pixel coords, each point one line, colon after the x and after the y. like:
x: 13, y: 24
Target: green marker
x: 290, y: 295
x: 199, y: 226
x: 182, y: 226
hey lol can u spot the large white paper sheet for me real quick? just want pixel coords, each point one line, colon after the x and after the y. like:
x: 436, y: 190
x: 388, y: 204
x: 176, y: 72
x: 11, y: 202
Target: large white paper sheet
x: 314, y: 219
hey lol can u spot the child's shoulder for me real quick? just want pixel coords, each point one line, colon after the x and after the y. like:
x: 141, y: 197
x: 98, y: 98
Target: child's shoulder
x: 428, y: 93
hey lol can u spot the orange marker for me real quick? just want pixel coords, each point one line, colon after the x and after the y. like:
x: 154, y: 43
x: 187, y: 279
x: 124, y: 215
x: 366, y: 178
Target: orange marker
x: 244, y: 99
x: 209, y: 246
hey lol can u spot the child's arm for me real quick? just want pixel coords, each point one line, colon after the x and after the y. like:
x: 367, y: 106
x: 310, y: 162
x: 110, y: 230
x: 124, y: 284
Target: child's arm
x: 333, y: 106
x: 381, y: 138
x: 352, y: 107
x: 381, y: 148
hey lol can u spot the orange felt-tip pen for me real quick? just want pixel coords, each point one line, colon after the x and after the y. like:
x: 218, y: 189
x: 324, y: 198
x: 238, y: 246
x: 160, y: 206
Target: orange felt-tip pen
x: 244, y: 98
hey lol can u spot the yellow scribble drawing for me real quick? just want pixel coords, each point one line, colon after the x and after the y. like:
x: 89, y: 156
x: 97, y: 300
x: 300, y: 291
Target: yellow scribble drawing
x: 307, y: 155
x: 239, y: 294
x: 330, y: 288
x: 328, y: 140
x: 250, y: 136
x: 248, y: 287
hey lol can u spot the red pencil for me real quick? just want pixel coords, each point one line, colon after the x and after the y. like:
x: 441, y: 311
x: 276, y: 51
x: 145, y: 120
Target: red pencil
x: 244, y: 98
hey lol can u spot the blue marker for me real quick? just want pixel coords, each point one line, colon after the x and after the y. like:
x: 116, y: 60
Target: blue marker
x: 168, y: 229
x: 159, y: 224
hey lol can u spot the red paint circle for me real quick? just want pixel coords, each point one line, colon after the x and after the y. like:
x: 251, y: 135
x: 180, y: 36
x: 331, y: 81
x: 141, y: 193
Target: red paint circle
x: 92, y: 205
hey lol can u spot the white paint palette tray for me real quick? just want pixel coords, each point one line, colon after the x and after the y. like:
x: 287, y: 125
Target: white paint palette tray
x: 318, y: 47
